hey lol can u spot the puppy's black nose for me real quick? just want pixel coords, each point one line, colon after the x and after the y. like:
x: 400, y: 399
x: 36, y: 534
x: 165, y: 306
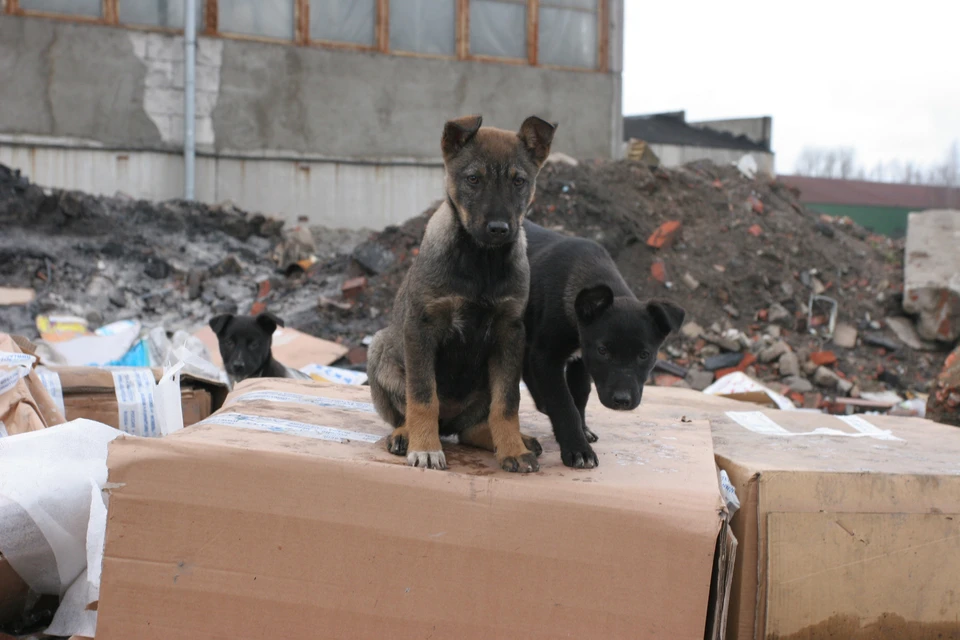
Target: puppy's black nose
x: 621, y: 399
x: 498, y: 228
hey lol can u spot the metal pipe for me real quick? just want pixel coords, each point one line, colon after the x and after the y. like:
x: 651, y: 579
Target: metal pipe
x: 189, y: 96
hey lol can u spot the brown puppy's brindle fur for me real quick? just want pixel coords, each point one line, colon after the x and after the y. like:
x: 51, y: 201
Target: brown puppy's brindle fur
x: 451, y: 360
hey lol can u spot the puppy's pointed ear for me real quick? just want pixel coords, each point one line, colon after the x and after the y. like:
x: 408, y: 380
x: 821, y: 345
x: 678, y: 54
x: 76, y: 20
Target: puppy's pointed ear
x: 219, y: 323
x: 591, y: 303
x: 536, y: 135
x: 269, y: 322
x: 668, y: 316
x: 457, y: 133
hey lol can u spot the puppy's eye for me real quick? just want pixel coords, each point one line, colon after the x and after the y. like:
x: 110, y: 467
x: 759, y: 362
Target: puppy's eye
x: 602, y: 350
x: 473, y: 179
x: 519, y: 181
x: 644, y: 355
x: 254, y: 345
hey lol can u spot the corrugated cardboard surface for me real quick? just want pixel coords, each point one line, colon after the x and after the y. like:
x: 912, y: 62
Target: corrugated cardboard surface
x: 843, y: 537
x: 88, y: 392
x: 230, y: 532
x: 26, y: 405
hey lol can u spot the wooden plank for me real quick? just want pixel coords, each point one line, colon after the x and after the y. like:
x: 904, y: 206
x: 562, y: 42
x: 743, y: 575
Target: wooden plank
x: 111, y: 13
x: 210, y: 17
x: 463, y: 29
x: 301, y: 31
x: 383, y: 26
x: 533, y: 30
x: 603, y: 35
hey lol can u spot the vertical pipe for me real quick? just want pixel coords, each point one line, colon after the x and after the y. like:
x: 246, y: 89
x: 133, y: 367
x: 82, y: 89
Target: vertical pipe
x: 189, y: 96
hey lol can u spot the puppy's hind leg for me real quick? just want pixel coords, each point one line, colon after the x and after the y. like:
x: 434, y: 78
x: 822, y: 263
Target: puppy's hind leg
x: 388, y: 390
x: 578, y: 381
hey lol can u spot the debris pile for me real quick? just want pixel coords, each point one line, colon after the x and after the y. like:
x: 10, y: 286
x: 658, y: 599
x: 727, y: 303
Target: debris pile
x: 808, y: 304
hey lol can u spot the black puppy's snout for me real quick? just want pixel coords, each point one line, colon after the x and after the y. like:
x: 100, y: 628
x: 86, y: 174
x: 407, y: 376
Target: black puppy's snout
x: 498, y: 228
x: 622, y: 400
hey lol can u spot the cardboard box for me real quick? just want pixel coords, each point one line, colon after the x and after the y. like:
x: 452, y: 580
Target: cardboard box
x: 90, y: 392
x: 283, y: 516
x: 854, y: 533
x: 25, y: 404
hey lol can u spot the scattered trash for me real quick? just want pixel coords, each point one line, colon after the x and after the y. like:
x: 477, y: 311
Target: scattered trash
x: 739, y: 386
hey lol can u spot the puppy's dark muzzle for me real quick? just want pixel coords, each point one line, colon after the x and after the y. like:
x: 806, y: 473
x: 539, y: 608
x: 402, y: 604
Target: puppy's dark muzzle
x: 498, y: 232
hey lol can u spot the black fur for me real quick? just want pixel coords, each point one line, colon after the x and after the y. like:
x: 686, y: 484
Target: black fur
x: 579, y: 300
x: 246, y: 346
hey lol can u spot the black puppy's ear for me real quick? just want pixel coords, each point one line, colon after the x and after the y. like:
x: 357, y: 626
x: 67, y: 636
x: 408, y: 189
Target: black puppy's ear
x: 537, y: 136
x: 591, y: 303
x: 219, y: 323
x: 457, y: 133
x: 668, y: 316
x: 269, y: 322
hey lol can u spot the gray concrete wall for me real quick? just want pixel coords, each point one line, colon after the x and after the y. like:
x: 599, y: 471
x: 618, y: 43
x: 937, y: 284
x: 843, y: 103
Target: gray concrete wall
x: 759, y: 130
x: 123, y: 87
x: 675, y: 155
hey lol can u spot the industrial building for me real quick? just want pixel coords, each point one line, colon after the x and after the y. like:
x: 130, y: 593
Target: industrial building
x: 328, y: 109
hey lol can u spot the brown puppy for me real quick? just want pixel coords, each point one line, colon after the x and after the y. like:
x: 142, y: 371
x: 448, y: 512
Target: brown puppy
x: 451, y: 360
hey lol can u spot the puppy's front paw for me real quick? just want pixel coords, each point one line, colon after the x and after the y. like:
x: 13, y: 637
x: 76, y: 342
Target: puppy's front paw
x: 427, y: 459
x: 397, y: 442
x: 579, y: 458
x: 532, y: 444
x: 591, y: 436
x: 526, y: 463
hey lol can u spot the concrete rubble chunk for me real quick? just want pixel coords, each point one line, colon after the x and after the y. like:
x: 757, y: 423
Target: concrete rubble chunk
x: 906, y: 332
x: 691, y: 330
x: 798, y: 384
x: 773, y: 352
x: 789, y: 364
x: 931, y: 273
x: 824, y: 377
x: 778, y: 314
x: 692, y: 283
x: 845, y: 336
x: 699, y: 380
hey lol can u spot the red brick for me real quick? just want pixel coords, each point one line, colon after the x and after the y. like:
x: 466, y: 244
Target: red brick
x: 719, y: 373
x: 665, y: 235
x: 756, y: 230
x: 748, y: 360
x: 823, y: 358
x: 353, y: 287
x: 659, y: 272
x: 762, y: 315
x: 258, y: 308
x: 263, y: 288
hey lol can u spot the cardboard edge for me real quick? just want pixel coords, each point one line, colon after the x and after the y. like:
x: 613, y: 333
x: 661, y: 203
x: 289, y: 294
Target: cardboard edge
x: 721, y: 582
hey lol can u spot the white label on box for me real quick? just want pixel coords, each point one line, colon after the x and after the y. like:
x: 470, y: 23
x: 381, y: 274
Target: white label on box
x: 289, y: 427
x: 334, y: 374
x: 17, y: 359
x: 868, y: 429
x: 299, y: 398
x: 9, y: 378
x: 134, y: 388
x: 51, y: 382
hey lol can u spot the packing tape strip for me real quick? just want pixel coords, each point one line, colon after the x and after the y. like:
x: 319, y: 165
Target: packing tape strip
x: 10, y: 377
x: 761, y: 423
x: 51, y: 382
x: 17, y: 359
x: 289, y: 427
x: 299, y: 398
x: 135, y: 402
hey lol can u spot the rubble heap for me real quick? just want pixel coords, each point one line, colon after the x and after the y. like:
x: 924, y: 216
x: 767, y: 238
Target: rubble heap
x: 741, y: 255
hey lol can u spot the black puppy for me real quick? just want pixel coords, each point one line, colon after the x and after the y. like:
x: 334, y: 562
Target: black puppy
x: 579, y: 301
x: 245, y: 347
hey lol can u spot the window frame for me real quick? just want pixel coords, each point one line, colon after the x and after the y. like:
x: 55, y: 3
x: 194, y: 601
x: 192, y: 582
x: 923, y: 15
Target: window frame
x: 301, y: 32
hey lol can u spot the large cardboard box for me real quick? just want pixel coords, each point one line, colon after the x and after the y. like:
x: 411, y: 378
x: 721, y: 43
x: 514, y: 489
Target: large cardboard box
x: 93, y: 393
x: 849, y: 527
x: 282, y: 516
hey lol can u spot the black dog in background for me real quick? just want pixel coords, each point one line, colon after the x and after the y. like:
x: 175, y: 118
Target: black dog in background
x: 579, y: 301
x: 246, y: 347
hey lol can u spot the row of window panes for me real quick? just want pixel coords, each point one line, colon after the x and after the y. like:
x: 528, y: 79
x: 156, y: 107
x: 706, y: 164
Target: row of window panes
x: 498, y: 28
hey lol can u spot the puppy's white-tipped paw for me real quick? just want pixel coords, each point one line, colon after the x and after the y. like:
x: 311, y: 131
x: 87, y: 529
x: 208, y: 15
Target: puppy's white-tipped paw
x: 427, y: 459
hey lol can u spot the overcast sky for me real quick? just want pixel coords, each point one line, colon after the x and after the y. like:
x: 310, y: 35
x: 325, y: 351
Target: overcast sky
x: 881, y: 77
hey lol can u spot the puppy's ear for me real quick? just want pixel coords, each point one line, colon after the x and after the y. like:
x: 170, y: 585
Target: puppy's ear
x: 591, y: 303
x: 537, y: 135
x: 269, y: 322
x: 668, y: 316
x: 457, y: 133
x: 219, y: 323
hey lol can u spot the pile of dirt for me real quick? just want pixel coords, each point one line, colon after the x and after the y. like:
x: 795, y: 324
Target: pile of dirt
x: 741, y: 255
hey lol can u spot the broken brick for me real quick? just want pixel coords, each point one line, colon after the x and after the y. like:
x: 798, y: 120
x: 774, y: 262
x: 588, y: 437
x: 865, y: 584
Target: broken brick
x: 756, y: 230
x: 659, y: 271
x: 354, y: 287
x: 665, y: 235
x: 258, y: 307
x: 725, y: 372
x: 823, y: 358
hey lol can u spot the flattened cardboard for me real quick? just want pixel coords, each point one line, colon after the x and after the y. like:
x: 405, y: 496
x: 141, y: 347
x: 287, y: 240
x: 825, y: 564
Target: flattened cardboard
x: 89, y: 392
x: 292, y: 348
x: 24, y: 405
x: 233, y: 532
x: 15, y: 296
x: 838, y: 532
